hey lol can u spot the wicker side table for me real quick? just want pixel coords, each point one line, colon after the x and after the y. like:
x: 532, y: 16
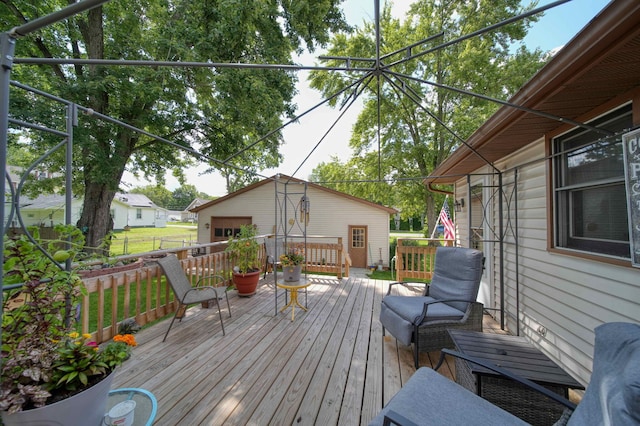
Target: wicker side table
x: 519, y: 356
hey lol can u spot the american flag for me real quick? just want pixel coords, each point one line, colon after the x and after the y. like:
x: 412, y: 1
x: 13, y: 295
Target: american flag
x: 445, y: 219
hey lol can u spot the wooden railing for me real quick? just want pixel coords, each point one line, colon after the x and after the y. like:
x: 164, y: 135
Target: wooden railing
x: 143, y: 294
x: 322, y: 257
x: 416, y: 261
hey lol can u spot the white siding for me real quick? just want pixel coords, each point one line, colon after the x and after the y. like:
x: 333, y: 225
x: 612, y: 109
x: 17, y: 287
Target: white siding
x: 330, y: 215
x: 119, y: 215
x: 568, y: 296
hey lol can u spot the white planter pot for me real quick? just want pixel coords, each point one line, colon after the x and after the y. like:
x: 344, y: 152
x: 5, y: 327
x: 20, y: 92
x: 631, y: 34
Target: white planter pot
x: 292, y: 273
x: 84, y: 409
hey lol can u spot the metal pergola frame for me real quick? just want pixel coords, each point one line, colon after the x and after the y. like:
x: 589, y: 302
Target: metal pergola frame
x: 377, y: 68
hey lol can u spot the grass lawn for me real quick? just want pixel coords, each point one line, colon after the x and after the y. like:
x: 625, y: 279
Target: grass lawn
x: 141, y: 240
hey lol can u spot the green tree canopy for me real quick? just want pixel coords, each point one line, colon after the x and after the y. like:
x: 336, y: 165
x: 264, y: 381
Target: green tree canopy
x: 411, y: 120
x: 160, y: 195
x: 216, y: 111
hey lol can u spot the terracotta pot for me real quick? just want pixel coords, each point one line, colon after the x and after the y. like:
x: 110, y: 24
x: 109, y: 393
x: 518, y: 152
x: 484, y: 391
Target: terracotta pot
x: 85, y: 408
x: 246, y: 284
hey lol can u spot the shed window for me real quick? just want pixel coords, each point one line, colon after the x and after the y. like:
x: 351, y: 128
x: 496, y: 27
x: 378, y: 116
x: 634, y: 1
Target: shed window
x: 590, y: 198
x: 138, y: 213
x: 357, y: 237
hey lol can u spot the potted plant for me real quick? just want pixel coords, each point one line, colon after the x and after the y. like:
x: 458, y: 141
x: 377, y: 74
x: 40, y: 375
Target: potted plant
x: 50, y: 372
x: 244, y: 249
x: 292, y: 264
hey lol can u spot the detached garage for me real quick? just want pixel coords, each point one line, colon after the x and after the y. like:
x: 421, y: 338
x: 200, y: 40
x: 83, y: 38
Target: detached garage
x: 293, y: 207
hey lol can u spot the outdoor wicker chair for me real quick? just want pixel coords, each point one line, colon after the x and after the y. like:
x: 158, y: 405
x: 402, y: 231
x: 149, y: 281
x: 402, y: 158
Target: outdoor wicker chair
x: 449, y: 301
x: 612, y: 396
x: 186, y: 294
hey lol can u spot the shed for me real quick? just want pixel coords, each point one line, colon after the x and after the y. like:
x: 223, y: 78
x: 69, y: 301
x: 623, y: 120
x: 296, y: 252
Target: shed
x: 549, y: 205
x: 363, y: 226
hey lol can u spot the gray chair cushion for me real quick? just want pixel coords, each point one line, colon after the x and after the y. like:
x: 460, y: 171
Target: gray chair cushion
x: 457, y: 274
x: 613, y: 394
x: 429, y: 398
x: 398, y: 314
x: 410, y: 308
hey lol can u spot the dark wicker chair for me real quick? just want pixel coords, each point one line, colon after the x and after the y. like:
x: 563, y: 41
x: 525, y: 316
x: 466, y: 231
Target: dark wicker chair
x: 448, y: 302
x: 611, y: 398
x: 186, y: 294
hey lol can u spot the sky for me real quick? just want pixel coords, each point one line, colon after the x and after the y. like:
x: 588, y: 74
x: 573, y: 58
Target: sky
x: 305, y: 138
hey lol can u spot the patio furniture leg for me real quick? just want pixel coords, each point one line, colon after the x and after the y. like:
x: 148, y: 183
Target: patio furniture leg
x: 172, y: 320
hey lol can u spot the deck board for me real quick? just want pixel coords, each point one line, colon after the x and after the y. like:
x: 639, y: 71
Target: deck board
x: 331, y: 366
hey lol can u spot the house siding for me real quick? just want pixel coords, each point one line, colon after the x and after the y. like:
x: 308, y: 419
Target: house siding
x: 567, y: 296
x: 330, y: 215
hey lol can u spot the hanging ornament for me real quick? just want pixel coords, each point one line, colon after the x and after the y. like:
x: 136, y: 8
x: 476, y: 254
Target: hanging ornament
x: 305, y: 208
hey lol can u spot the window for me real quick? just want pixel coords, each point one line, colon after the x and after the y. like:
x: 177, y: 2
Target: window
x: 357, y: 237
x: 590, y: 197
x: 138, y: 213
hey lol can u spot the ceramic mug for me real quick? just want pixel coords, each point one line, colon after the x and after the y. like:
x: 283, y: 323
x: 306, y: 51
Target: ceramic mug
x: 121, y: 414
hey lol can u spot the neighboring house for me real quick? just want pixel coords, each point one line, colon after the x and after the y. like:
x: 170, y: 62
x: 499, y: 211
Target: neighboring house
x: 187, y: 215
x: 134, y: 210
x: 362, y: 225
x: 137, y: 210
x: 549, y: 205
x: 46, y: 210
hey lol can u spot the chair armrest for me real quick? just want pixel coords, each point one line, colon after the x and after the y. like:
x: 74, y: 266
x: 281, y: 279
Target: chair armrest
x: 204, y: 287
x: 508, y: 374
x: 404, y: 283
x: 393, y: 418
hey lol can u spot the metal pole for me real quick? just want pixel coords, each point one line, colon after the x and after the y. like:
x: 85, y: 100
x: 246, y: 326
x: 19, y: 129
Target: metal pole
x: 501, y: 245
x: 275, y: 236
x: 7, y: 48
x: 54, y: 17
x: 72, y: 121
x: 515, y: 237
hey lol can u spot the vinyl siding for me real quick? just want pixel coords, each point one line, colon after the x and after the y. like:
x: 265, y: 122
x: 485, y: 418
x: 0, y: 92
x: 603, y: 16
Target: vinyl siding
x: 330, y: 215
x: 568, y: 296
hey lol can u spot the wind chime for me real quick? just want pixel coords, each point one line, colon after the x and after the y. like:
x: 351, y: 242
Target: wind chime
x: 305, y: 209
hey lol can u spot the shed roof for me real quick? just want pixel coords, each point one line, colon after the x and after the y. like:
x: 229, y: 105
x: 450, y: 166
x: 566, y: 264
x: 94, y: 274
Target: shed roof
x: 600, y: 64
x: 284, y: 178
x: 134, y: 200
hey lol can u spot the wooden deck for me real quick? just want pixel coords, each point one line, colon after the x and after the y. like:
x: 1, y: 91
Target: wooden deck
x: 330, y: 366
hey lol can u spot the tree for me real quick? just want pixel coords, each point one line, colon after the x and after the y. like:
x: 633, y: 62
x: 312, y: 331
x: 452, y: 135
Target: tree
x: 421, y: 120
x: 217, y: 111
x: 183, y: 196
x: 160, y: 195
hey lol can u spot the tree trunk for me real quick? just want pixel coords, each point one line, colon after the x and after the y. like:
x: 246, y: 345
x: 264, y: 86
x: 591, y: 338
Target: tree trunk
x: 96, y: 220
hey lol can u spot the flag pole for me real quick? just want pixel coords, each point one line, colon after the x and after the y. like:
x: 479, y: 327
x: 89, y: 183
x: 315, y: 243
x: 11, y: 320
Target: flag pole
x: 438, y: 220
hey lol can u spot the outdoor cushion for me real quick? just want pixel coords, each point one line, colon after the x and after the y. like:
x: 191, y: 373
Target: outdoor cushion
x: 428, y: 398
x: 410, y: 308
x: 613, y: 394
x: 399, y: 313
x: 456, y: 275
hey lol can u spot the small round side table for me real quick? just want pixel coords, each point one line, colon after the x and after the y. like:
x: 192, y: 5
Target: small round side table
x: 292, y: 288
